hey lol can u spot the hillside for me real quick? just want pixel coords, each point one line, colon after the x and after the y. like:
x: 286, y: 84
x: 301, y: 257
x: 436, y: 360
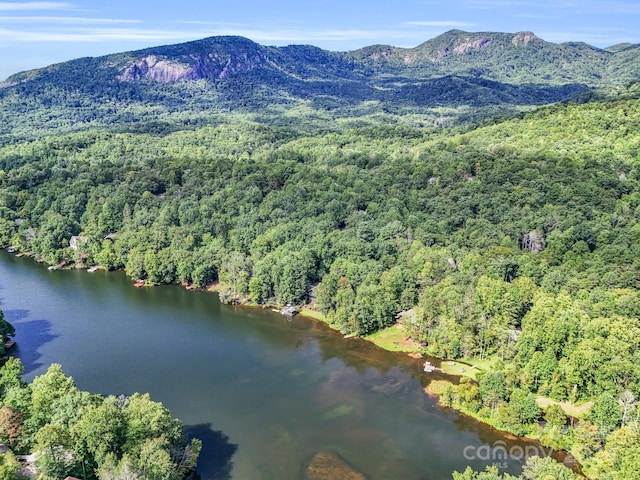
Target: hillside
x: 456, y: 77
x: 520, y: 58
x: 296, y: 175
x: 194, y: 199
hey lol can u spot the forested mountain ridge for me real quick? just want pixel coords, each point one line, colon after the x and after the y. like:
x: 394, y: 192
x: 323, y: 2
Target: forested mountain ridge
x: 458, y: 76
x: 517, y: 240
x: 515, y: 58
x: 278, y: 211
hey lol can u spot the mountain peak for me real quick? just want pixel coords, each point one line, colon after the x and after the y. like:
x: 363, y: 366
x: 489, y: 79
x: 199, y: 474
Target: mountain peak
x: 212, y: 57
x: 523, y: 38
x: 458, y: 42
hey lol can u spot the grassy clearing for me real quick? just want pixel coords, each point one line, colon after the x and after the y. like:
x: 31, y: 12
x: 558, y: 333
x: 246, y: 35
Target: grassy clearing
x: 307, y: 312
x: 438, y: 387
x: 578, y: 411
x: 467, y: 367
x: 393, y: 339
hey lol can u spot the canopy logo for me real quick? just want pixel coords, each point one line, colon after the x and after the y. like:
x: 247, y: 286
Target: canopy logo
x: 499, y: 455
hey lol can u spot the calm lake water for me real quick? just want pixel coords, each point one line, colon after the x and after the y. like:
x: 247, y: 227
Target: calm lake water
x: 263, y: 392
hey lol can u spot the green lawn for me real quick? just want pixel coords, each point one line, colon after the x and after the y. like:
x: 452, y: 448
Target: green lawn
x: 578, y: 411
x: 467, y: 367
x: 393, y: 339
x: 307, y: 312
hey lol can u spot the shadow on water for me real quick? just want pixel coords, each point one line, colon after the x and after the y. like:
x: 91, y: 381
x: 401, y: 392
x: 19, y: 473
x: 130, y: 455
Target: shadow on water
x: 214, y: 462
x: 30, y: 336
x: 15, y: 315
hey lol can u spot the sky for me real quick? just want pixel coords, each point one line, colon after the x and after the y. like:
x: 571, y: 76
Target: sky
x: 36, y: 34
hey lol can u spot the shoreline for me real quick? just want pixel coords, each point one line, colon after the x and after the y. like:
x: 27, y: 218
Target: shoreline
x: 404, y: 346
x: 446, y: 368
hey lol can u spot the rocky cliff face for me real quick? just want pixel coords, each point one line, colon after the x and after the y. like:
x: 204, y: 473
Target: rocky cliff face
x: 210, y: 65
x: 448, y: 46
x: 152, y: 68
x: 523, y: 38
x: 457, y: 43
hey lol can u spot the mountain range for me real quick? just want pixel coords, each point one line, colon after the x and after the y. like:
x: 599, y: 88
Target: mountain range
x: 455, y: 77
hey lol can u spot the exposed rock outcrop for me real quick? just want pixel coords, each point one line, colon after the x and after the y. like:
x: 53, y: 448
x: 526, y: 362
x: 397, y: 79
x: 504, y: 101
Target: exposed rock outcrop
x: 152, y: 68
x: 329, y: 466
x: 211, y: 66
x: 533, y: 241
x: 523, y: 38
x: 478, y: 44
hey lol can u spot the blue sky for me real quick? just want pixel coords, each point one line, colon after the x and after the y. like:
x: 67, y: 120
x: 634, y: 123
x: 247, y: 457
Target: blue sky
x: 35, y: 34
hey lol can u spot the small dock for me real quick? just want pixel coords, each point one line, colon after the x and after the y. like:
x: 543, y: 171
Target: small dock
x: 59, y: 266
x: 289, y: 311
x: 429, y: 368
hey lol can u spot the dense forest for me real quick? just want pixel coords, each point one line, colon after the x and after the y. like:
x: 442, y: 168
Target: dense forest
x: 515, y: 242
x: 535, y: 468
x: 86, y: 435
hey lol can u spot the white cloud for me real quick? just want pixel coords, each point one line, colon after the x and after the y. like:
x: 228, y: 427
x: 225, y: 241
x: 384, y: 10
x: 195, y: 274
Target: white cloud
x: 64, y: 20
x: 536, y: 16
x: 15, y: 6
x: 601, y: 38
x: 333, y: 38
x: 624, y: 7
x: 609, y: 7
x: 491, y: 4
x: 92, y: 35
x: 326, y: 38
x: 440, y: 23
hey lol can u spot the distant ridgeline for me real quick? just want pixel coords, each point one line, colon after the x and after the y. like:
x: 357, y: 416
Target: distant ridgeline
x: 455, y: 77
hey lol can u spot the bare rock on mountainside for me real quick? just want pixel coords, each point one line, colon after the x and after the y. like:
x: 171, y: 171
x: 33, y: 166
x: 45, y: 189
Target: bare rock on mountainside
x: 533, y: 241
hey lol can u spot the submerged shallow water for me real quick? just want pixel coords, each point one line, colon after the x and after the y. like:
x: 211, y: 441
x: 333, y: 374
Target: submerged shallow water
x: 263, y: 392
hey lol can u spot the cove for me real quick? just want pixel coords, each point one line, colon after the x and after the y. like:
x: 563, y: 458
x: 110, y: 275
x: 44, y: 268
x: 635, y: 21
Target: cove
x: 263, y: 392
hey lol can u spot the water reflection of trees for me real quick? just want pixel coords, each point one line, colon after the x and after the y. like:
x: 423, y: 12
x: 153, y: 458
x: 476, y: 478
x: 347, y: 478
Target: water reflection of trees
x: 215, y: 459
x: 358, y: 353
x: 30, y: 336
x: 396, y: 370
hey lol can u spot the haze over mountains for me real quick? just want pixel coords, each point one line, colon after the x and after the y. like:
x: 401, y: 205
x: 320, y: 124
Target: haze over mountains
x: 457, y: 76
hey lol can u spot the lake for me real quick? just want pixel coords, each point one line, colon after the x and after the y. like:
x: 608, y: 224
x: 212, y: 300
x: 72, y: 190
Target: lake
x: 265, y: 393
